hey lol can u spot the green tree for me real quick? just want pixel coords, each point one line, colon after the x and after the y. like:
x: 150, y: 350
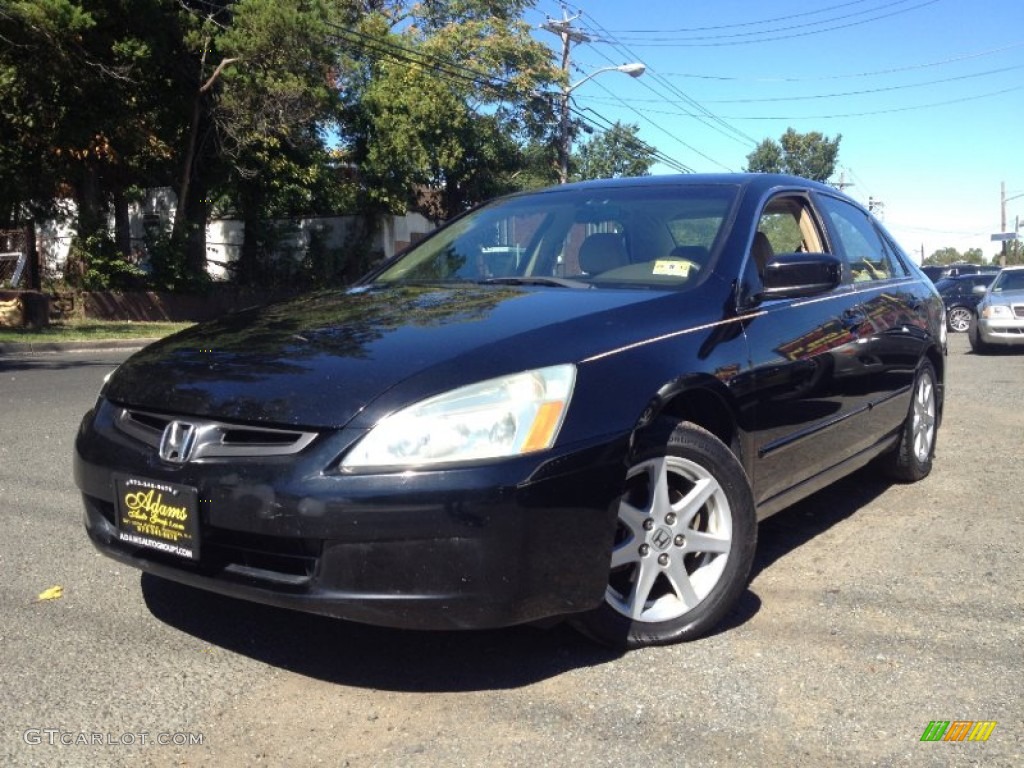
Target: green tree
x: 264, y: 108
x: 944, y: 256
x: 440, y: 102
x: 811, y: 155
x: 613, y: 153
x: 274, y: 101
x: 89, y: 113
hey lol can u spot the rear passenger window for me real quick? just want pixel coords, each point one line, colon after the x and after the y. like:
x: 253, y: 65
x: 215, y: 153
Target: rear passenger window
x: 865, y: 249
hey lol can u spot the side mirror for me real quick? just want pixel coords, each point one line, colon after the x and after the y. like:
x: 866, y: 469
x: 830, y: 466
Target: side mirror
x: 795, y: 275
x: 979, y: 290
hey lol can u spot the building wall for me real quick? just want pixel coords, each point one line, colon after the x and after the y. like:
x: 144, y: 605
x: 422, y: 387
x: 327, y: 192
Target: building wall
x: 224, y: 236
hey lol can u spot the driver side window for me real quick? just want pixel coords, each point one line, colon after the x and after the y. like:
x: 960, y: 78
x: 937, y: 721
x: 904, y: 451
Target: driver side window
x: 786, y: 225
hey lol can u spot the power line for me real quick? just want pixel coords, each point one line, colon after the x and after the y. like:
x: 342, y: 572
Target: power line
x: 671, y: 134
x: 872, y: 73
x: 747, y: 38
x: 570, y: 35
x: 443, y: 67
x: 702, y: 114
x: 861, y: 114
x: 742, y: 23
x: 711, y: 41
x: 420, y: 58
x: 635, y: 143
x: 864, y: 92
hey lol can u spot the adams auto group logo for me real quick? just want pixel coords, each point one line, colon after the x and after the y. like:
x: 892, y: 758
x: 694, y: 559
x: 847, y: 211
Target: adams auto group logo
x: 958, y: 730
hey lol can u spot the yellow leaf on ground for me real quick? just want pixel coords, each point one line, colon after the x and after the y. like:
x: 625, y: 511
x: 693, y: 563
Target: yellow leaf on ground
x: 53, y: 593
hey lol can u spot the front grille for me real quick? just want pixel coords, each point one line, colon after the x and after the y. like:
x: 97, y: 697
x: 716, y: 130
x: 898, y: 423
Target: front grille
x: 214, y: 439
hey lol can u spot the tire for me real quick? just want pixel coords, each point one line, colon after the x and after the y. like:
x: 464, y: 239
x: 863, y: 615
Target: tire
x: 978, y: 345
x: 958, y: 319
x: 689, y: 544
x: 912, y: 458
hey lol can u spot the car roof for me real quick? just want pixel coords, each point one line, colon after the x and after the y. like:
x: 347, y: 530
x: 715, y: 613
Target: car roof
x: 760, y: 180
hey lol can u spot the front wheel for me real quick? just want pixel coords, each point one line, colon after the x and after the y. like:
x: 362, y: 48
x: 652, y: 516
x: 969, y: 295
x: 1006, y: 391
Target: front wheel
x: 978, y: 345
x: 685, y: 537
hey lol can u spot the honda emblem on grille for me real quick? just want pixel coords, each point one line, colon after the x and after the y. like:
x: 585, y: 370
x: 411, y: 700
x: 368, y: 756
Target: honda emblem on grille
x: 178, y: 442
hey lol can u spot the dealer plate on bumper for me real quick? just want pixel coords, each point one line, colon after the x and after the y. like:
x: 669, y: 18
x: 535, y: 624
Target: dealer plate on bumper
x: 159, y: 515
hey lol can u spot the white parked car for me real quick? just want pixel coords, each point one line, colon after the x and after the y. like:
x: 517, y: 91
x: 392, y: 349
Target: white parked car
x: 999, y: 320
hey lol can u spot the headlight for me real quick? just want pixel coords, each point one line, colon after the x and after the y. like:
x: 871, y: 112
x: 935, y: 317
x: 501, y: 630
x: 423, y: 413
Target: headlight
x: 507, y: 416
x: 996, y: 310
x: 106, y: 379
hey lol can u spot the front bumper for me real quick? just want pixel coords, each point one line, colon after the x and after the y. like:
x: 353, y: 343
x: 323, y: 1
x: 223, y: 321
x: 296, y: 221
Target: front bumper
x: 474, y: 547
x: 1008, y: 331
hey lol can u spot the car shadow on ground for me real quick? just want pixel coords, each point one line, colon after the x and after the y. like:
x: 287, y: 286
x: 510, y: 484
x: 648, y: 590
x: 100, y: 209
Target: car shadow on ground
x: 373, y: 657
x: 390, y: 659
x: 795, y: 526
x: 49, y: 362
x: 1006, y: 351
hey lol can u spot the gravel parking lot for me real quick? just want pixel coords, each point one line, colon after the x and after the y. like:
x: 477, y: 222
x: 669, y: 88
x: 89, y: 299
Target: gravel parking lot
x: 874, y: 609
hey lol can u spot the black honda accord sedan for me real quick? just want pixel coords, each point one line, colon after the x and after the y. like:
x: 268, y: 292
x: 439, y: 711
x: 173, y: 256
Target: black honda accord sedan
x: 576, y: 402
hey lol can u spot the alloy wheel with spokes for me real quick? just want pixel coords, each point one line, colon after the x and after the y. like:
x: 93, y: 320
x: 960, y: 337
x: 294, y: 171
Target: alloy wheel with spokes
x: 684, y: 542
x: 959, y: 319
x: 922, y: 419
x: 911, y: 460
x: 673, y: 539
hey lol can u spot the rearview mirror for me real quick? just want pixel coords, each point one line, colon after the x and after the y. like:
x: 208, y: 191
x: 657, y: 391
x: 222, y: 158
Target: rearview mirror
x: 794, y: 275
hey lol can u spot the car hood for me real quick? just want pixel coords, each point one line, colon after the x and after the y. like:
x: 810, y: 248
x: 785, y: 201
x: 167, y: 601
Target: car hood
x: 1005, y: 297
x: 320, y: 360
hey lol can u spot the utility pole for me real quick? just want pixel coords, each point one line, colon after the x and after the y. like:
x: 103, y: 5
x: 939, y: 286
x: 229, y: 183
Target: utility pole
x: 1016, y: 240
x: 563, y: 28
x: 1002, y: 221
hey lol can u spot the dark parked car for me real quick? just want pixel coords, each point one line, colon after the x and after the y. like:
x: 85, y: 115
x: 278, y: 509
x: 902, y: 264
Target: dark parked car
x: 940, y: 272
x: 960, y: 298
x: 576, y: 402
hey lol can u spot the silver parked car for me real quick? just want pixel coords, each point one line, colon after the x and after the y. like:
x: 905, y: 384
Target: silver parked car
x: 999, y: 320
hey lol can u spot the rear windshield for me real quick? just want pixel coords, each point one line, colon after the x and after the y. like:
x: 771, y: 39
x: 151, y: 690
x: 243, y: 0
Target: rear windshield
x: 657, y: 236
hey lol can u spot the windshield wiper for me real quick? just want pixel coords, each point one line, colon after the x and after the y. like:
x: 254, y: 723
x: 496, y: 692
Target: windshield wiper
x: 553, y: 282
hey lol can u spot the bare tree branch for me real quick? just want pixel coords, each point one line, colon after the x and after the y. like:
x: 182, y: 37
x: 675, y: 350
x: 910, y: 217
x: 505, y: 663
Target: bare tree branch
x: 216, y: 73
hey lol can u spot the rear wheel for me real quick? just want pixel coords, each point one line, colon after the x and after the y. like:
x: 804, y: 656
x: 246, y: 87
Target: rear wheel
x: 958, y: 319
x: 684, y: 543
x: 912, y: 459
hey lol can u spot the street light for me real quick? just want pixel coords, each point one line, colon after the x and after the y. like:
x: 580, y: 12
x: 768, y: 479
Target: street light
x: 565, y: 135
x: 1003, y: 234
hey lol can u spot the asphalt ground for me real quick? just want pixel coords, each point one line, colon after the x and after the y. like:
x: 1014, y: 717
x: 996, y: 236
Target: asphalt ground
x: 874, y: 609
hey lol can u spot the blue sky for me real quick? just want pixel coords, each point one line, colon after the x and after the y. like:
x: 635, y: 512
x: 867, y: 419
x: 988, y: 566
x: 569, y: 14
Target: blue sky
x: 927, y: 94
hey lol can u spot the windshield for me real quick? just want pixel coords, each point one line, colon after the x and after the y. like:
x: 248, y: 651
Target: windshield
x: 656, y: 236
x: 1009, y: 280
